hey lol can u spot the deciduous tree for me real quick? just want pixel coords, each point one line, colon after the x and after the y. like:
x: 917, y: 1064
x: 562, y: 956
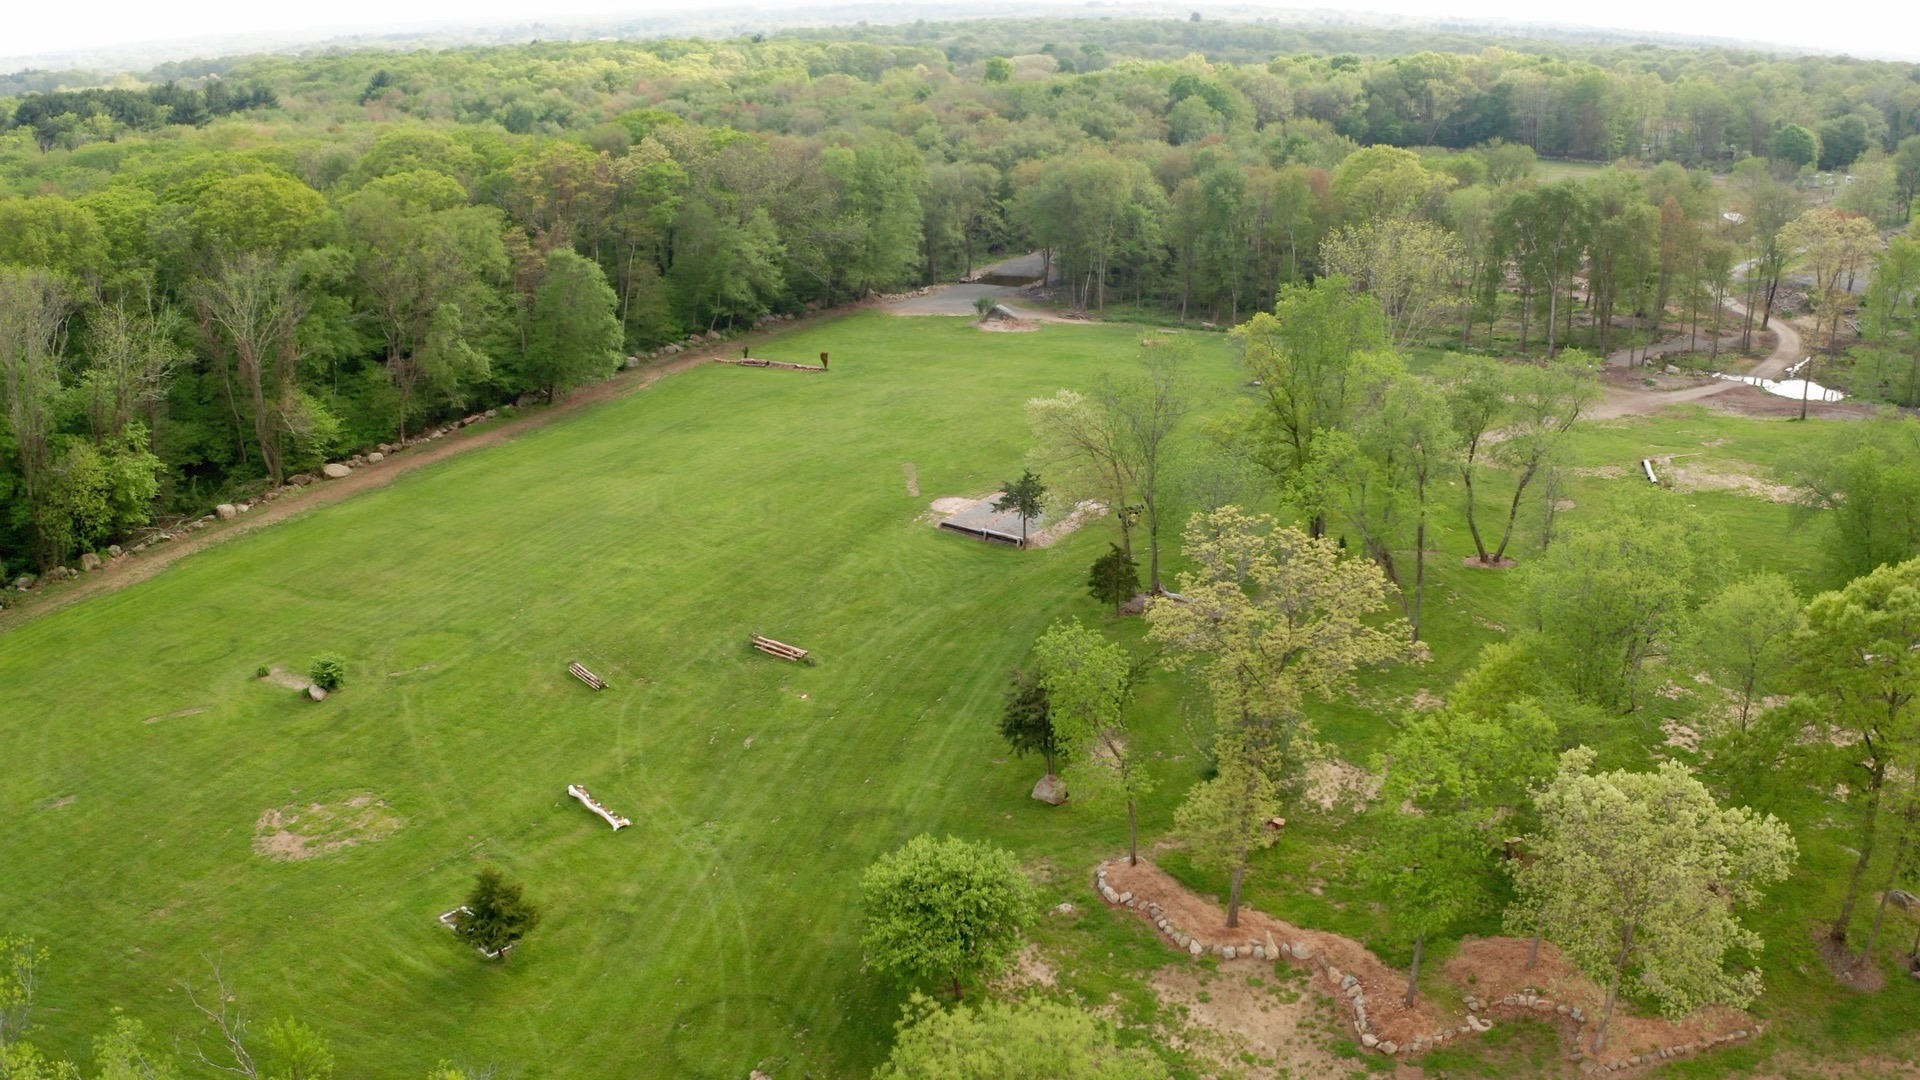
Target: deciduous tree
x: 944, y: 910
x: 1088, y: 680
x: 1011, y: 1041
x: 1640, y: 875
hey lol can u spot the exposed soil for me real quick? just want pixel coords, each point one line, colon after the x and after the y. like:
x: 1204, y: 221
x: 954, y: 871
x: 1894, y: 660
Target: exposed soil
x: 195, y: 711
x: 1488, y: 969
x: 1007, y: 326
x: 1206, y: 920
x: 1333, y: 783
x: 1474, y: 562
x: 294, y: 832
x: 127, y: 570
x: 1734, y: 476
x: 1239, y: 1011
x: 280, y: 676
x: 1066, y: 526
x: 912, y: 475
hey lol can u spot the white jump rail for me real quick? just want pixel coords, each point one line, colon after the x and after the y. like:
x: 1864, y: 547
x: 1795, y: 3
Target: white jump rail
x: 1647, y: 464
x: 593, y: 804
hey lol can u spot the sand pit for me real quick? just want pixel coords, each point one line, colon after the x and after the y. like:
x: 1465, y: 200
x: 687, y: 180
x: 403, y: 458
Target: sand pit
x: 295, y: 832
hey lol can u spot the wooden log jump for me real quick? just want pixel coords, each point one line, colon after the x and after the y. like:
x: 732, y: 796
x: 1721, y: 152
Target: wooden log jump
x: 754, y: 361
x: 593, y: 804
x: 580, y: 672
x: 1647, y: 464
x: 779, y: 648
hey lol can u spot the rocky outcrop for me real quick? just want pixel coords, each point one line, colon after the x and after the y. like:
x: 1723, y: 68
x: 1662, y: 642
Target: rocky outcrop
x: 1051, y: 790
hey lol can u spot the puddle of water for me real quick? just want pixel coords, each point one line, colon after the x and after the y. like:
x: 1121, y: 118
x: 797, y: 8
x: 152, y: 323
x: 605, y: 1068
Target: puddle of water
x: 1789, y: 388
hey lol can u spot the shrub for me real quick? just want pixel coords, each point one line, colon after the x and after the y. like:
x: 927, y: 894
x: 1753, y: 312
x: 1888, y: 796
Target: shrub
x: 328, y: 672
x: 261, y: 672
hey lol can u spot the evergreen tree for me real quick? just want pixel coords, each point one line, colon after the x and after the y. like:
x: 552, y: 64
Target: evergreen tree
x: 497, y: 914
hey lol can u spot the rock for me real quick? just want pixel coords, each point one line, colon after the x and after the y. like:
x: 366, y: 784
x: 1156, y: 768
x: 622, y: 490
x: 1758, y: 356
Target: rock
x: 1354, y: 992
x: 1578, y: 1016
x: 1302, y: 951
x: 316, y: 694
x: 114, y: 551
x: 299, y: 480
x: 714, y: 335
x: 1065, y: 909
x: 333, y: 470
x: 1905, y: 900
x: 1259, y: 953
x: 1480, y: 1024
x: 1388, y: 1046
x: 1051, y: 790
x: 91, y: 562
x: 376, y: 458
x: 385, y: 448
x: 1348, y: 982
x: 1369, y: 1040
x: 226, y: 511
x: 24, y: 582
x: 1126, y: 898
x: 1227, y: 952
x: 669, y: 348
x: 1193, y: 947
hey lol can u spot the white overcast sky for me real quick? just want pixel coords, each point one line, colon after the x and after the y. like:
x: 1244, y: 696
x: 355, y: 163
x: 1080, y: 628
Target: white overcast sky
x: 1886, y: 28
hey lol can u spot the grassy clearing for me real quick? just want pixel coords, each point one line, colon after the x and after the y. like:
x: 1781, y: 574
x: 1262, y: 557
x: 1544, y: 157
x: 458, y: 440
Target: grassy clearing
x: 647, y: 538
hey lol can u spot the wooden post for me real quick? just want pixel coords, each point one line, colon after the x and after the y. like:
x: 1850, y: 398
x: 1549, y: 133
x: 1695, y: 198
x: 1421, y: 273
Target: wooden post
x: 823, y: 361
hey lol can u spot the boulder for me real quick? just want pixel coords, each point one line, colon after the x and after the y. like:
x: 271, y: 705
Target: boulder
x: 333, y: 470
x: 670, y: 348
x: 1051, y: 790
x: 1194, y: 948
x: 314, y: 693
x: 24, y: 581
x: 90, y: 562
x: 1302, y: 951
x: 114, y: 551
x: 1369, y: 1040
x: 299, y: 480
x: 376, y: 458
x: 1001, y: 311
x: 226, y: 511
x: 1228, y: 952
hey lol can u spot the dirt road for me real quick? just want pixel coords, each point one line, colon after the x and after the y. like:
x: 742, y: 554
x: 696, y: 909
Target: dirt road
x: 1623, y: 401
x: 128, y: 569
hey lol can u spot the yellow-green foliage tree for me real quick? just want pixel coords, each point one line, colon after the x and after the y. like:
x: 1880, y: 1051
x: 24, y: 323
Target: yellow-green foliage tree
x: 1640, y: 874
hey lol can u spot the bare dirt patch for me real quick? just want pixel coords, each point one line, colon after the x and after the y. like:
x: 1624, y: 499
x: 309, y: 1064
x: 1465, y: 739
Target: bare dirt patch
x: 1066, y: 526
x: 1474, y: 562
x: 1734, y: 476
x: 1490, y: 970
x: 1495, y: 968
x: 1332, y: 782
x: 1030, y: 969
x: 176, y: 714
x: 280, y: 676
x: 912, y: 475
x: 1238, y: 1012
x: 294, y: 832
x: 1007, y: 326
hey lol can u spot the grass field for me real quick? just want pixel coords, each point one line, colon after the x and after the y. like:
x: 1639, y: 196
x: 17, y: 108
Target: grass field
x: 647, y: 538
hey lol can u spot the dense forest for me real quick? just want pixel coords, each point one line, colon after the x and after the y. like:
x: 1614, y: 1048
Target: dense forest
x: 222, y: 274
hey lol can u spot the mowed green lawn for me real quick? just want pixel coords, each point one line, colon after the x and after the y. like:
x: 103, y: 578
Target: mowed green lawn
x: 647, y: 538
